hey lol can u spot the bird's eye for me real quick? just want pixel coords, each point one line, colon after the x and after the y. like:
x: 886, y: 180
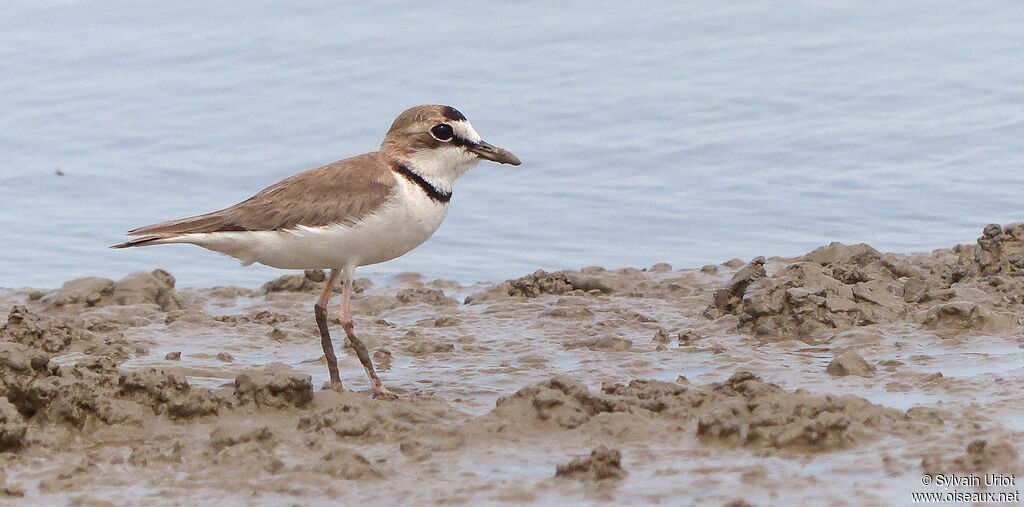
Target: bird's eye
x: 442, y: 132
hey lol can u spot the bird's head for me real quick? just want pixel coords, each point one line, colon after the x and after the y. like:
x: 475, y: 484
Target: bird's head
x: 439, y: 142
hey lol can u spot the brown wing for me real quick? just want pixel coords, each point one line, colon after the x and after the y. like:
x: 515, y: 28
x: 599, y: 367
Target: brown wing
x: 342, y: 192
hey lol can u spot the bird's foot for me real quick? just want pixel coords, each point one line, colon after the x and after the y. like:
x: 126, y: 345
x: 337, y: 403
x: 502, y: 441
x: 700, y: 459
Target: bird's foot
x: 382, y: 393
x: 335, y: 386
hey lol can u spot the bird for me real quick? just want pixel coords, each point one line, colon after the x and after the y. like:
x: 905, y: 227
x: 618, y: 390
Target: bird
x: 355, y: 212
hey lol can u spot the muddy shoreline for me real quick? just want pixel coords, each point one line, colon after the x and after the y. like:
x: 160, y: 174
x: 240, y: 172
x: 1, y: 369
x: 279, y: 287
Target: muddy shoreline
x: 841, y: 376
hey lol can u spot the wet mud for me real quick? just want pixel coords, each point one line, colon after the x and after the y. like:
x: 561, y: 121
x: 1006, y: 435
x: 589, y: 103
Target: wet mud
x: 840, y: 377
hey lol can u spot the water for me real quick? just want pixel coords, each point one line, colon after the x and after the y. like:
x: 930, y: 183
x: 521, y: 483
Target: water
x: 682, y: 132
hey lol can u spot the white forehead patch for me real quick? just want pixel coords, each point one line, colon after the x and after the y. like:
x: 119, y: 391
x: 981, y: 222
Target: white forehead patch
x: 464, y: 130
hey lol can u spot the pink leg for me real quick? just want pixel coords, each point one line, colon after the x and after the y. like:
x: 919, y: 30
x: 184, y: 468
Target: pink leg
x: 320, y: 310
x: 349, y: 326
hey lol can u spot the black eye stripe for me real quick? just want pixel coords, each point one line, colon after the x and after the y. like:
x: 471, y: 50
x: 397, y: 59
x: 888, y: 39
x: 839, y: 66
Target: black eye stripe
x: 445, y: 133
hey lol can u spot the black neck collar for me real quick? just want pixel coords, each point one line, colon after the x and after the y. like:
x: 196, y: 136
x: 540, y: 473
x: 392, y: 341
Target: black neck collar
x: 432, y: 191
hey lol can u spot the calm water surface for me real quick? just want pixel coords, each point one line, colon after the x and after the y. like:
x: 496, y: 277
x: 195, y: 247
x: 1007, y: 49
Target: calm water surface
x: 681, y: 132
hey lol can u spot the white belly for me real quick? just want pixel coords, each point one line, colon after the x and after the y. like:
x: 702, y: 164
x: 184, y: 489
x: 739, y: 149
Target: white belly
x: 402, y: 224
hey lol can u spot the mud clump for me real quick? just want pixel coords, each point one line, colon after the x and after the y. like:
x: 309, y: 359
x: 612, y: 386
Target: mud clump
x: 569, y: 311
x: 951, y: 291
x: 348, y: 417
x: 999, y: 251
x: 541, y: 282
x: 351, y: 415
x: 315, y: 275
x: 12, y: 426
x: 833, y: 287
x: 557, y: 403
x: 981, y: 456
x: 748, y: 412
x: 275, y: 385
x: 844, y: 257
x: 346, y: 464
x: 94, y: 391
x: 674, y: 400
x: 167, y: 393
x: 743, y: 411
x: 263, y: 317
x: 728, y: 299
x: 588, y: 282
x: 18, y: 360
x: 41, y: 332
x: 959, y: 315
x: 609, y: 343
x: 849, y: 363
x: 603, y: 463
x: 227, y: 435
x: 433, y: 297
x: 11, y: 492
x: 421, y: 348
x: 154, y: 287
x: 90, y: 291
x: 838, y: 287
x: 309, y: 280
x: 804, y: 298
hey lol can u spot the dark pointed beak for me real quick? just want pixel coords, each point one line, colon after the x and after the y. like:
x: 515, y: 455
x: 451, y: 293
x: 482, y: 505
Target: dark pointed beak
x: 488, y: 151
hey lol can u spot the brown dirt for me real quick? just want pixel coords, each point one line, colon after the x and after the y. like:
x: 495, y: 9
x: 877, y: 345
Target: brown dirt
x: 625, y: 386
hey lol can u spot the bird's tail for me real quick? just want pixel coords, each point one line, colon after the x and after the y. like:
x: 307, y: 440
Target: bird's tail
x: 143, y: 241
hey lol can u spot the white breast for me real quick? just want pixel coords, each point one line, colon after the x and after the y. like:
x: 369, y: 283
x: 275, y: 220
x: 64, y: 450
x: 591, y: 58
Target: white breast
x: 403, y: 223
